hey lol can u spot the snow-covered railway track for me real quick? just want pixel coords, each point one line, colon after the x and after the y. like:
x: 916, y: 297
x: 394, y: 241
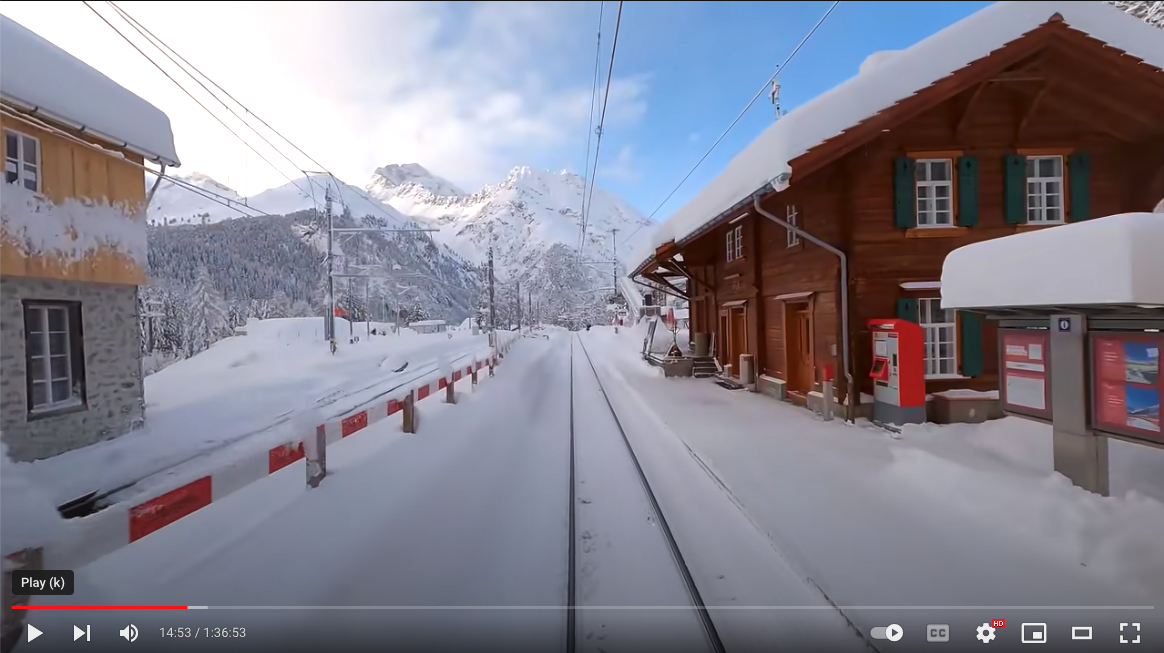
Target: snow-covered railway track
x: 622, y: 553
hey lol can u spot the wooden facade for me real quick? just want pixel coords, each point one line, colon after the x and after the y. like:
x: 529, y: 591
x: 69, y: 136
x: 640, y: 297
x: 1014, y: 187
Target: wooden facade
x: 71, y: 171
x: 1055, y: 118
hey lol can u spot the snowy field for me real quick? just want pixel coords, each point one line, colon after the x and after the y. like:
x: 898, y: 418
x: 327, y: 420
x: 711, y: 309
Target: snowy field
x: 241, y: 396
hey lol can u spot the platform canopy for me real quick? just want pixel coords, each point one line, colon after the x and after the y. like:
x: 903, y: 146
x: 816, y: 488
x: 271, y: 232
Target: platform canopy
x: 1112, y: 261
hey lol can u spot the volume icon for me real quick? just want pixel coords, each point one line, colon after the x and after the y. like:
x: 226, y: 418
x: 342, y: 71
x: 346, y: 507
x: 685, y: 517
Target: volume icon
x: 129, y: 633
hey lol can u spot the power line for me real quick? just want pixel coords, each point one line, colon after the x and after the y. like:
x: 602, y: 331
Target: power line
x: 767, y: 86
x: 187, y: 91
x: 602, y: 119
x: 590, y: 123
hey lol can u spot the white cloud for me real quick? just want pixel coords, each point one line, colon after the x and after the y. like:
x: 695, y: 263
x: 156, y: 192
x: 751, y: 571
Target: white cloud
x: 623, y: 168
x: 468, y: 90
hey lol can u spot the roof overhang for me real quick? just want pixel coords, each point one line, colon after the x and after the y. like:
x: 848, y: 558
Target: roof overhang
x: 48, y: 116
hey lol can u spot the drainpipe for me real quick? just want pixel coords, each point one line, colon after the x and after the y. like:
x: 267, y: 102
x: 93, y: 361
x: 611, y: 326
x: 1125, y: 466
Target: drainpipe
x: 845, y: 363
x: 157, y: 182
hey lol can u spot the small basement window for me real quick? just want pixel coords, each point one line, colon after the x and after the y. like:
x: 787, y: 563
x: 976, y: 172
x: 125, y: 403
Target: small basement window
x: 54, y: 356
x: 735, y: 243
x: 21, y: 160
x: 1044, y: 190
x: 792, y: 217
x: 935, y: 192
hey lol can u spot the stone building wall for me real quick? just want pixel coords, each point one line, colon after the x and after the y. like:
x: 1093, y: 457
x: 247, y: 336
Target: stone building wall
x: 114, y: 397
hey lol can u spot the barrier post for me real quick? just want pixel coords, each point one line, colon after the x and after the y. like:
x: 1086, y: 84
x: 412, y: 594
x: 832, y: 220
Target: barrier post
x: 473, y: 374
x: 315, y: 451
x: 450, y: 391
x: 408, y: 411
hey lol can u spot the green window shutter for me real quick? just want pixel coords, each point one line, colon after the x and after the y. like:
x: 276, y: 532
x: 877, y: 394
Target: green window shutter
x: 907, y: 309
x: 1079, y: 187
x: 1014, y: 188
x: 904, y: 193
x: 967, y: 191
x: 970, y: 332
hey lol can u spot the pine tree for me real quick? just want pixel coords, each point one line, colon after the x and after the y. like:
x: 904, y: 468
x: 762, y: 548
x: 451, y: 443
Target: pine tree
x: 206, y: 320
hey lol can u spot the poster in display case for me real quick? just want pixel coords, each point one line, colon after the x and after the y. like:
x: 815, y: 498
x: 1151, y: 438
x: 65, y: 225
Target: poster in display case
x: 1127, y: 383
x: 1026, y: 378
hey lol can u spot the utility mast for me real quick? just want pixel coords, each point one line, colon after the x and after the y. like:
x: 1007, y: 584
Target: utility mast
x: 519, y: 315
x: 329, y: 319
x: 614, y: 258
x: 775, y: 97
x: 492, y: 306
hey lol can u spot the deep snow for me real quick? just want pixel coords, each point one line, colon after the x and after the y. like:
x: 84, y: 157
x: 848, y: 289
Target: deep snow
x: 37, y: 74
x: 239, y: 397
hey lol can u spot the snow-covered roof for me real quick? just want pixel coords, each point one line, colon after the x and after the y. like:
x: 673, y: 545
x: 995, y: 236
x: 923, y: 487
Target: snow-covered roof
x: 37, y: 75
x: 1112, y: 260
x: 888, y: 79
x: 427, y: 323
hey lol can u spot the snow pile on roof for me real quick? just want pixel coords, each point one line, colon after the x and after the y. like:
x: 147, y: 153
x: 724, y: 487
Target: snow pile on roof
x: 1112, y: 260
x: 876, y: 59
x: 37, y: 74
x: 72, y: 229
x: 893, y: 79
x: 31, y: 519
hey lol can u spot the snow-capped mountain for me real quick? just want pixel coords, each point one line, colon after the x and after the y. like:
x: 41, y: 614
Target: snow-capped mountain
x: 176, y: 203
x: 532, y: 218
x: 528, y: 212
x: 392, y: 179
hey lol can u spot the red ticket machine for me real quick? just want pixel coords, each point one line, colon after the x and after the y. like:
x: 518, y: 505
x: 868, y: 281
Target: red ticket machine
x: 898, y: 373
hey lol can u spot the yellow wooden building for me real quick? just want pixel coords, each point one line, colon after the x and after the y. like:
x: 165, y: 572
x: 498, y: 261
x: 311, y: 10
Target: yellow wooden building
x: 72, y: 246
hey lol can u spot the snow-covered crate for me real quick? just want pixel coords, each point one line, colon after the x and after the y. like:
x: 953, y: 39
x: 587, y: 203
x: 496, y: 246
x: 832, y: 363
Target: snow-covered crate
x: 965, y: 406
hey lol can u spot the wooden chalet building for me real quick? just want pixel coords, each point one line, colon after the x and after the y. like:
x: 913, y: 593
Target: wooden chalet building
x: 1025, y: 115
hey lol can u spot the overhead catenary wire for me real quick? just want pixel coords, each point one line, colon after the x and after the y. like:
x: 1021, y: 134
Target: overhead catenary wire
x: 590, y: 123
x: 602, y: 118
x: 187, y: 91
x: 766, y: 87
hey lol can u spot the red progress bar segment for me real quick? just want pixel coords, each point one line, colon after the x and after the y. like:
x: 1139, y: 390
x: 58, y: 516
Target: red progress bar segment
x: 100, y: 607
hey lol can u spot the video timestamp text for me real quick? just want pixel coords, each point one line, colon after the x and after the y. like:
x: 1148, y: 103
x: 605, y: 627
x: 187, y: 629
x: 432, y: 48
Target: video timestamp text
x: 207, y: 632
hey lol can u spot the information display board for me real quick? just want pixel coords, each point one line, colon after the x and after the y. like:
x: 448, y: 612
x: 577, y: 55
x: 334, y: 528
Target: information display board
x: 1026, y: 374
x: 1127, y: 383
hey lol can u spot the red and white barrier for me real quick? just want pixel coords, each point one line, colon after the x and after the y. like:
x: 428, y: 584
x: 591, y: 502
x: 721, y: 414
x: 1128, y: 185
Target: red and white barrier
x: 120, y: 525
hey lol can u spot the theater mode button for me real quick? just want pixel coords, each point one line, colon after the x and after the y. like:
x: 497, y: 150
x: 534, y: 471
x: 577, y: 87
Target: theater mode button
x: 892, y: 632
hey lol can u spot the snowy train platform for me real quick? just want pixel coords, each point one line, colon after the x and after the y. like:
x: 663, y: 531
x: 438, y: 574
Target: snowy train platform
x: 953, y: 515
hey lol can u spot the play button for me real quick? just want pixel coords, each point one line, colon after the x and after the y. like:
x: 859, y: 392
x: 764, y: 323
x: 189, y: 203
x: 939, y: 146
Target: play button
x: 33, y: 632
x: 893, y: 632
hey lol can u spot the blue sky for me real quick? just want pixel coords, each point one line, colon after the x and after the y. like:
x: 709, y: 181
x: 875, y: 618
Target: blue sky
x: 705, y: 60
x: 471, y: 90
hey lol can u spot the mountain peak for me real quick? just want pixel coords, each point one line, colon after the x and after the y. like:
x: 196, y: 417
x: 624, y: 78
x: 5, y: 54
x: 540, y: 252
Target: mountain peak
x: 399, y: 175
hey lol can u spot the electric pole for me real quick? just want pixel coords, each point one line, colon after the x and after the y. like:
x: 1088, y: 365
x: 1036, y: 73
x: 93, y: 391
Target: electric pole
x: 531, y: 313
x: 492, y: 307
x: 614, y: 258
x: 329, y: 319
x: 518, y: 296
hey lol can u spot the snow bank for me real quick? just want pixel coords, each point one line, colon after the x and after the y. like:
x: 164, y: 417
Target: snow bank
x: 1117, y: 537
x: 39, y: 75
x: 30, y: 515
x: 71, y: 230
x: 298, y: 328
x: 1112, y: 260
x: 893, y: 79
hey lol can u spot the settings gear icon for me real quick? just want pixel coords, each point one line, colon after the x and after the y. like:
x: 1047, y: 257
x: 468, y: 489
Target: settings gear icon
x: 985, y: 633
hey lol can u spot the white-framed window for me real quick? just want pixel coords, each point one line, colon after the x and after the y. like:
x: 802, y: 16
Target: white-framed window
x: 1045, y: 189
x: 735, y: 243
x: 935, y: 192
x: 21, y: 160
x: 941, y: 337
x: 52, y: 355
x: 793, y: 217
